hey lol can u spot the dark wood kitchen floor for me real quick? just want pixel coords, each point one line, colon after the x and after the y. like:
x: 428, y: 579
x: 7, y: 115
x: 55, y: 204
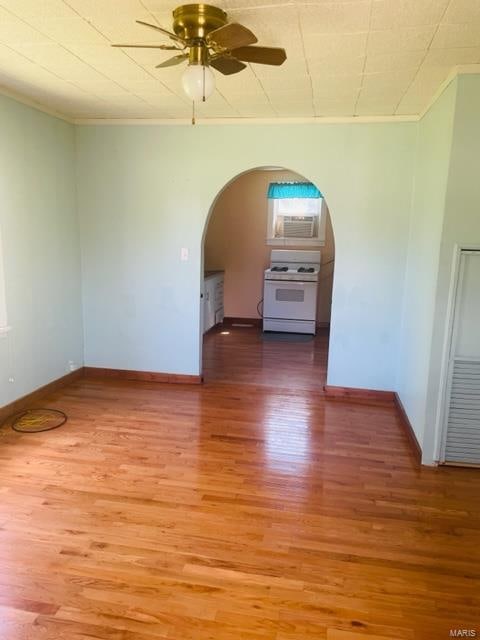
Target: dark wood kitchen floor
x: 245, y: 510
x: 246, y: 356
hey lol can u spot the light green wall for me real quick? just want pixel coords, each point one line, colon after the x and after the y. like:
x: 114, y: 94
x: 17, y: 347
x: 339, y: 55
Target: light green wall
x: 41, y: 249
x: 461, y: 226
x: 145, y: 192
x: 434, y: 141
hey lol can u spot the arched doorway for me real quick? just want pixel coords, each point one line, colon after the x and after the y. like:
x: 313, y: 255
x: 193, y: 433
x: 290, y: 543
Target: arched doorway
x: 239, y: 237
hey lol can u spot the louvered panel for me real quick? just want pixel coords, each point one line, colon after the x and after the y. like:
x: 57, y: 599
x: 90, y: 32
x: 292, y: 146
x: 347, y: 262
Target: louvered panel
x: 462, y: 437
x: 464, y: 454
x: 469, y: 375
x: 456, y: 443
x: 463, y: 427
x: 467, y: 386
x: 467, y: 363
x: 465, y: 403
x: 470, y: 393
x: 462, y: 457
x: 458, y: 415
x: 462, y: 409
x: 463, y: 430
x: 463, y: 441
x: 463, y: 423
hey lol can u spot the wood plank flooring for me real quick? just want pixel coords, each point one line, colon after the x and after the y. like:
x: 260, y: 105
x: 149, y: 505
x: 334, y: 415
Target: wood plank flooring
x: 247, y: 509
x: 247, y: 357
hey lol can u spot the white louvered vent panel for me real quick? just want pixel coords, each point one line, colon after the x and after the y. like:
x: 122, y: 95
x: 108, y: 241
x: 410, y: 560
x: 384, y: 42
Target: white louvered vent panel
x: 463, y: 431
x: 298, y: 227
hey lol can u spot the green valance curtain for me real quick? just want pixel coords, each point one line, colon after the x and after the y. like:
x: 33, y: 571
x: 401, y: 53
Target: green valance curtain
x: 282, y: 190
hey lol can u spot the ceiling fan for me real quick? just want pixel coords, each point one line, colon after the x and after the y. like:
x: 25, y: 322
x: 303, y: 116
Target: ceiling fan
x: 204, y: 37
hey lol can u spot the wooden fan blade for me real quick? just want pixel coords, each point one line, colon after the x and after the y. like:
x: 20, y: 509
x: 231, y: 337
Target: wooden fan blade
x: 231, y: 36
x: 164, y: 47
x: 171, y: 35
x: 171, y: 62
x: 260, y: 55
x: 227, y: 65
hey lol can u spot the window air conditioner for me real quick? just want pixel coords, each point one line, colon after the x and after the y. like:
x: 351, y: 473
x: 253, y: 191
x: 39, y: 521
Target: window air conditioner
x: 298, y: 226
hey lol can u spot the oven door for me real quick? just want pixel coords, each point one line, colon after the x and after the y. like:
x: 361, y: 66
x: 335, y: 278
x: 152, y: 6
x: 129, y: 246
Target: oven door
x: 290, y: 300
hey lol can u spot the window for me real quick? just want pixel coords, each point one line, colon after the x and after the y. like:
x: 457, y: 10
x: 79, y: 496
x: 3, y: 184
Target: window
x: 296, y: 214
x: 3, y: 306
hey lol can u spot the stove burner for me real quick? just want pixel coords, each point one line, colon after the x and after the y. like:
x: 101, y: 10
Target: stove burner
x: 305, y: 270
x: 279, y: 269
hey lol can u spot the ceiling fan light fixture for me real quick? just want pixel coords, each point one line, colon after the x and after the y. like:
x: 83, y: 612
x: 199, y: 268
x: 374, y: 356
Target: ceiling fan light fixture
x: 203, y: 35
x: 198, y: 82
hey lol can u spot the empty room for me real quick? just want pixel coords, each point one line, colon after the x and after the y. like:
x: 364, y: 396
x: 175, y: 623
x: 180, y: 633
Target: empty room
x: 239, y: 320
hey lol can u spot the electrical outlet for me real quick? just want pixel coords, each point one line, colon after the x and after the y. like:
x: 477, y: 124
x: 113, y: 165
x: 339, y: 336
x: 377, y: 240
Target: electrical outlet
x: 71, y: 365
x: 11, y: 380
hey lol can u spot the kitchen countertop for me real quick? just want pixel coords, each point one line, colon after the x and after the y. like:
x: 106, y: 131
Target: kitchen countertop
x: 210, y: 274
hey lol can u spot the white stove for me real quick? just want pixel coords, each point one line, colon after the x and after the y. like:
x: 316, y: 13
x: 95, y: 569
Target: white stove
x: 290, y: 291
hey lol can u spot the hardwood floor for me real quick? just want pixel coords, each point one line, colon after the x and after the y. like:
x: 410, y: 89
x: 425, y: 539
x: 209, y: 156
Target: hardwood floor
x: 236, y: 510
x: 245, y: 356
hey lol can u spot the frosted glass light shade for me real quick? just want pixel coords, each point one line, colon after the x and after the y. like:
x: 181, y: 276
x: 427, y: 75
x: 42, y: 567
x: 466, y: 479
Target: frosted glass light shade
x: 198, y: 82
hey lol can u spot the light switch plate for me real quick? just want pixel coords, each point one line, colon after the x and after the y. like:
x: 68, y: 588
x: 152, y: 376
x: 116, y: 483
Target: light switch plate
x: 184, y: 254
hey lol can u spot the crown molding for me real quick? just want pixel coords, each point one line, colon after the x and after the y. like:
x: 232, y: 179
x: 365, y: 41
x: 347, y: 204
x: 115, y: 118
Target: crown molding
x: 38, y: 106
x: 244, y: 121
x: 30, y: 102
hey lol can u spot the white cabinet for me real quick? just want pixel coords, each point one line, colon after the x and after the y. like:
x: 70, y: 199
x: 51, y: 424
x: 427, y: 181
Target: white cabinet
x: 212, y: 300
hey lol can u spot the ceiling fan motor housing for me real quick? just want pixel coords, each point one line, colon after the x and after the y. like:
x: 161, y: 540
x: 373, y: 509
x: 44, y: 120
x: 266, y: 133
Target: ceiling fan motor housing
x: 193, y: 22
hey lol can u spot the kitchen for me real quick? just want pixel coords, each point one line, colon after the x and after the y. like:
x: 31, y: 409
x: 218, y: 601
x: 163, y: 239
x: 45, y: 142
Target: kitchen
x: 268, y: 266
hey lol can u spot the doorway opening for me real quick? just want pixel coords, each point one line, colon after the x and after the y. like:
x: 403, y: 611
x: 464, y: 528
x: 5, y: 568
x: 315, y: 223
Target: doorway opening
x: 268, y: 328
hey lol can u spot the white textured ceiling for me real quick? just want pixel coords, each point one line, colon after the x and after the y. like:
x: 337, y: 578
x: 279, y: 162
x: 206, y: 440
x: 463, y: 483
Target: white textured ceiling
x: 362, y: 57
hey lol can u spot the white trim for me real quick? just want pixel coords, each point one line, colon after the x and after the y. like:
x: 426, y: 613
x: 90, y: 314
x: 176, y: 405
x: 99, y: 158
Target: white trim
x: 443, y: 402
x: 451, y: 76
x: 30, y: 102
x: 445, y: 371
x: 236, y: 121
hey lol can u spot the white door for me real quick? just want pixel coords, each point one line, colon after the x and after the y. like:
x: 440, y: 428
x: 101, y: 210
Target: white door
x: 462, y: 436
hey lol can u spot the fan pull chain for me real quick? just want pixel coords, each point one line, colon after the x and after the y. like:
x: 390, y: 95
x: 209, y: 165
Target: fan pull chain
x: 203, y: 99
x: 193, y: 111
